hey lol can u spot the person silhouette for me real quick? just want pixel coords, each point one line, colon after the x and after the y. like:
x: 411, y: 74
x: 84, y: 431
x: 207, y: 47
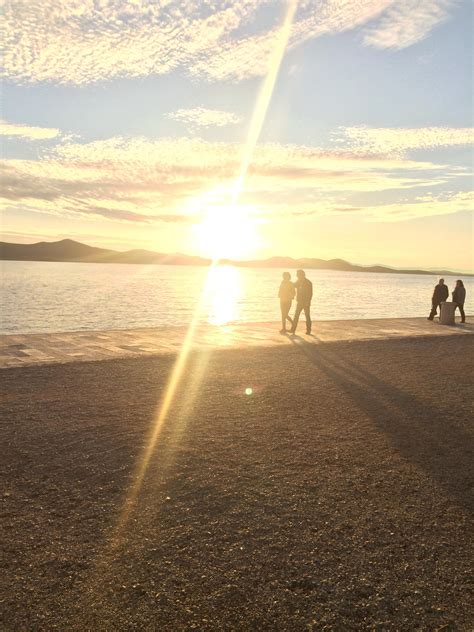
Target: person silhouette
x: 304, y: 294
x: 459, y: 296
x: 286, y: 295
x: 440, y: 294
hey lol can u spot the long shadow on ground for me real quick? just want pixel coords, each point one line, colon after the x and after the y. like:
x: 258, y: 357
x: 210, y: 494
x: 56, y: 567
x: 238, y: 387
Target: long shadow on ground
x: 430, y: 437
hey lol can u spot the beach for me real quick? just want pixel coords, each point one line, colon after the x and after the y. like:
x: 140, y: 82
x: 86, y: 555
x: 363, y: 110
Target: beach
x: 297, y: 486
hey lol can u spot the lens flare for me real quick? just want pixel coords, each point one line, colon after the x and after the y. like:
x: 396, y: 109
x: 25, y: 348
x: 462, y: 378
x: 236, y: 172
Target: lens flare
x: 264, y: 98
x: 179, y: 367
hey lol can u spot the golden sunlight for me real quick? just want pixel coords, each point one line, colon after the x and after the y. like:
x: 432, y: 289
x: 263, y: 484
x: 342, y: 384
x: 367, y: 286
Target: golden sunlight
x: 227, y: 233
x: 223, y: 288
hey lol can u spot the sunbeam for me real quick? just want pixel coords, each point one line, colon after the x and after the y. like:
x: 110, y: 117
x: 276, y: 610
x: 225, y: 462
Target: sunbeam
x: 264, y: 98
x: 162, y: 414
x: 256, y: 124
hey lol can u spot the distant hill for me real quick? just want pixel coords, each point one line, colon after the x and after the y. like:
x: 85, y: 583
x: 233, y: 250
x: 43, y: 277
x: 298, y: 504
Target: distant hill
x: 333, y: 264
x: 68, y: 250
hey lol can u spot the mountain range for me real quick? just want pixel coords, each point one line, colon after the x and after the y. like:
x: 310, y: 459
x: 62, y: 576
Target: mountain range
x: 68, y: 250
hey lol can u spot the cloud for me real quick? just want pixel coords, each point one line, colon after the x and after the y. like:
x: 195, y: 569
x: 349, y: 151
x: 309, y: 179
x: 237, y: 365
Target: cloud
x: 400, y: 140
x: 420, y: 206
x: 28, y: 132
x: 124, y: 215
x: 407, y: 22
x: 171, y: 180
x: 84, y: 41
x: 204, y: 117
x: 425, y: 206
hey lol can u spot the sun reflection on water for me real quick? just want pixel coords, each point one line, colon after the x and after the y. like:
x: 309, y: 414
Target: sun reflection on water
x: 223, y: 289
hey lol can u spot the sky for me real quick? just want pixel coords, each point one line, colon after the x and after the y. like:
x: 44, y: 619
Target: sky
x: 243, y: 129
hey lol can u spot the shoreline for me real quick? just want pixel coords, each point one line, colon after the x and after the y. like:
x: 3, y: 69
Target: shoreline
x: 95, y: 345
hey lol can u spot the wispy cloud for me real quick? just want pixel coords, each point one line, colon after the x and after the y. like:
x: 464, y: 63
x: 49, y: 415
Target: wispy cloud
x: 398, y: 141
x: 76, y: 41
x: 420, y: 206
x: 425, y: 206
x: 27, y: 131
x: 204, y: 117
x: 142, y: 181
x: 407, y: 22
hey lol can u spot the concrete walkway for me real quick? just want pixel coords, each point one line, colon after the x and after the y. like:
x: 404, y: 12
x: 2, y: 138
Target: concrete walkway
x: 27, y: 349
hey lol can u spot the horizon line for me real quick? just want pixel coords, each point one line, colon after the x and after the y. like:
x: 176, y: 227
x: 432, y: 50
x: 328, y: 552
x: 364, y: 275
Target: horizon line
x: 228, y: 261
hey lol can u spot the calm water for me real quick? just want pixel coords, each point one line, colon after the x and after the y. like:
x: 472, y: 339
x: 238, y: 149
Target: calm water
x: 41, y: 297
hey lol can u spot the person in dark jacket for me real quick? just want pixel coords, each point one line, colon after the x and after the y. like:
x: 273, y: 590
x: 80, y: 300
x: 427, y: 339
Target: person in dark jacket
x: 304, y: 294
x: 286, y: 295
x: 459, y: 297
x: 440, y: 294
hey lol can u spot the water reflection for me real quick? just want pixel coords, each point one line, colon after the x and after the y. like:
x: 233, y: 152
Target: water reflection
x: 39, y: 296
x: 223, y: 289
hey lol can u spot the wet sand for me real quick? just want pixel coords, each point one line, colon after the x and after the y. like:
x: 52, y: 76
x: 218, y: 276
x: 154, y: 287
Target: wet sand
x: 338, y: 495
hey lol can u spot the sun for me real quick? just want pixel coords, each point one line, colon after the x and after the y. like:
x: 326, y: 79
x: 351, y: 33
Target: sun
x: 227, y: 232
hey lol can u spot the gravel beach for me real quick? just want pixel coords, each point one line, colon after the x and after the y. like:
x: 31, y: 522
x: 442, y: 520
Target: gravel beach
x: 322, y: 487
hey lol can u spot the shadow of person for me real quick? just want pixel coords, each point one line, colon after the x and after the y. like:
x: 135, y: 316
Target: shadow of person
x: 297, y: 339
x: 431, y: 437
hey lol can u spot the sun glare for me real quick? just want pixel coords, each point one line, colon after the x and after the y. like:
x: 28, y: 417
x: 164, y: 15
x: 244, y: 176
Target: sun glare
x: 227, y: 233
x: 222, y: 293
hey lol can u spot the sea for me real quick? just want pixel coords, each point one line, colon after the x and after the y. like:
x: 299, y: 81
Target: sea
x: 40, y: 297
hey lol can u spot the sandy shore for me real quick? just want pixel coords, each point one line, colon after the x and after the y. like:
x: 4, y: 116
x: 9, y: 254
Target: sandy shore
x: 338, y: 495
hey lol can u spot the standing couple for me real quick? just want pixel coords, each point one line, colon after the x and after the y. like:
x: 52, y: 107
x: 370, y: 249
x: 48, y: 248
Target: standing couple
x: 303, y: 288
